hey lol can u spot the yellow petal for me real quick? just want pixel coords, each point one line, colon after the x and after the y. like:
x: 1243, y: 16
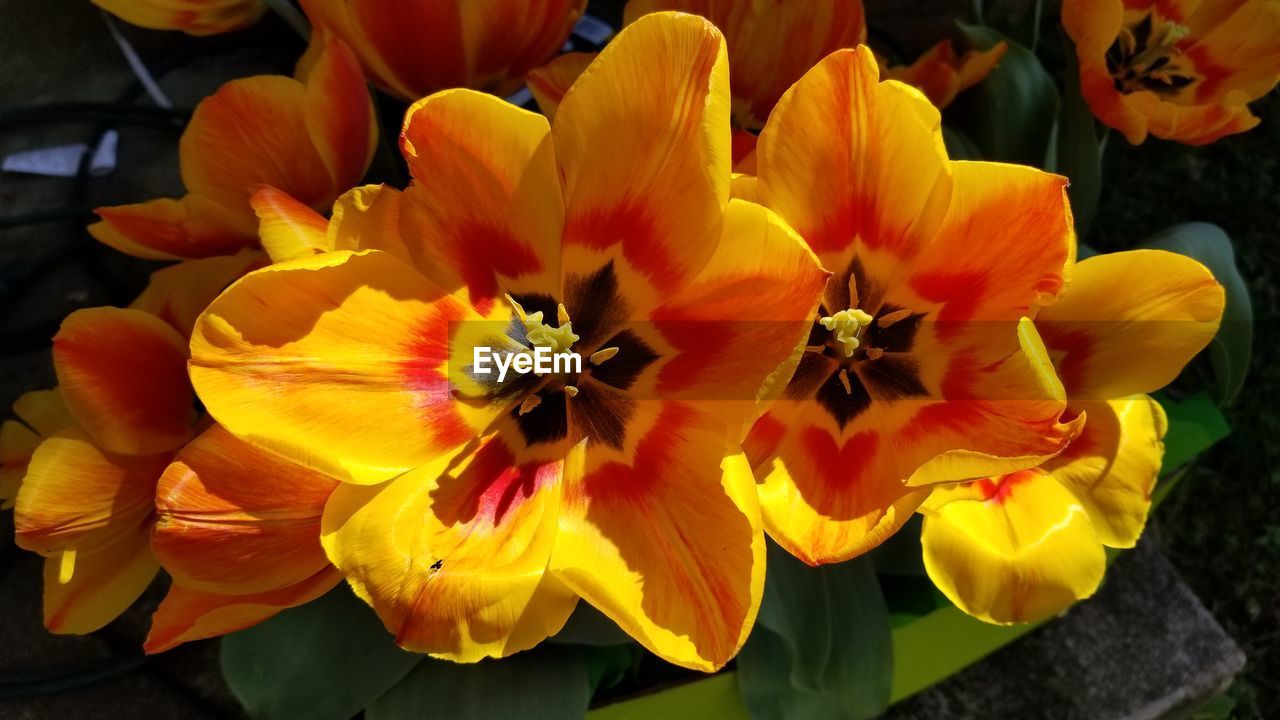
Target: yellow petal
x: 1130, y: 322
x: 288, y: 228
x: 1112, y: 467
x: 348, y: 371
x: 452, y: 555
x: 666, y: 539
x: 1020, y: 549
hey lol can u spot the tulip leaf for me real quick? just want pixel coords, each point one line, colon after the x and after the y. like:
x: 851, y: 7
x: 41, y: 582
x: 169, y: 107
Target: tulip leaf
x: 1010, y: 115
x: 1232, y: 349
x: 821, y: 647
x: 589, y: 626
x: 1079, y: 150
x: 547, y: 683
x: 326, y: 660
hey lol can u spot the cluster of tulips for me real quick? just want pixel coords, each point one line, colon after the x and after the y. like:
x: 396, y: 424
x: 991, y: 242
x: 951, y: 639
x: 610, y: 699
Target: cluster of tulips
x: 804, y: 321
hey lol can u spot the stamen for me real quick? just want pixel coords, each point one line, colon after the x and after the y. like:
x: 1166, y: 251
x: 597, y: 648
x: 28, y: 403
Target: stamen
x: 853, y: 290
x: 815, y: 348
x: 601, y: 356
x: 844, y: 380
x: 66, y: 566
x: 889, y: 319
x: 874, y: 353
x: 1160, y: 46
x: 571, y: 391
x: 530, y: 403
x: 543, y: 335
x: 847, y: 325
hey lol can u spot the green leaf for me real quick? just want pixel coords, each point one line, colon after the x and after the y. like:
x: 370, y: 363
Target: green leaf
x: 547, y: 683
x: 1079, y: 150
x: 1010, y: 115
x: 821, y: 647
x: 326, y: 660
x: 1195, y: 425
x: 1232, y: 349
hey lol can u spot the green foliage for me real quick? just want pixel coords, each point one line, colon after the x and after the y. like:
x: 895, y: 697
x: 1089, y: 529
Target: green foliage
x: 547, y: 683
x: 1078, y: 150
x: 326, y: 660
x: 1010, y: 115
x: 821, y: 647
x: 1232, y: 349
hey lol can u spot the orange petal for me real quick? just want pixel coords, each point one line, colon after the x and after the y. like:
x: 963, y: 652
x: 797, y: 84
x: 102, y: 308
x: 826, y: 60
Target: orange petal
x: 123, y: 375
x: 851, y: 162
x: 550, y: 82
x: 185, y: 614
x: 666, y: 539
x: 340, y: 116
x: 642, y: 140
x: 236, y: 520
x: 452, y: 555
x: 76, y: 496
x: 191, y: 227
x: 484, y: 210
x: 771, y: 43
x: 288, y: 228
x: 179, y: 293
x: 1130, y: 322
x: 349, y: 337
x: 208, y: 17
x: 824, y: 494
x: 107, y: 580
x: 761, y: 264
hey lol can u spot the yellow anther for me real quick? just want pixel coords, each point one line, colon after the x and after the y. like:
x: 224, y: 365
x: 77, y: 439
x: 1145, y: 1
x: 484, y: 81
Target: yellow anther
x: 530, y: 403
x: 847, y: 325
x: 888, y: 319
x: 571, y: 391
x: 1162, y: 42
x: 66, y: 566
x: 540, y: 334
x: 600, y: 356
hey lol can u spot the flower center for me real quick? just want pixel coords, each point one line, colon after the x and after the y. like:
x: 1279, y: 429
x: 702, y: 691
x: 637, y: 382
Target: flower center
x: 846, y: 326
x: 1146, y: 57
x: 559, y: 338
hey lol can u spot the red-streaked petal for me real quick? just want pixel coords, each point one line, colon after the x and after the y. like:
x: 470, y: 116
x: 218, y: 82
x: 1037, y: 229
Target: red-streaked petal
x: 185, y: 614
x: 642, y: 140
x: 123, y: 376
x: 236, y: 520
x: 666, y: 540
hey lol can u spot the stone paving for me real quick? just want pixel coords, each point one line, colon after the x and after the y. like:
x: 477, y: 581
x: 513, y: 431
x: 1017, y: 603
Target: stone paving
x: 1144, y: 648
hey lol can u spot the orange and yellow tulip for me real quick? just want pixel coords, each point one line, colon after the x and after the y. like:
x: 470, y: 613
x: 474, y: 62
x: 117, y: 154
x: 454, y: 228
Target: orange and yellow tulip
x: 411, y: 49
x: 1181, y: 70
x: 194, y: 17
x: 771, y: 42
x: 921, y: 366
x: 1024, y: 546
x: 85, y: 462
x: 473, y: 514
x: 942, y: 75
x: 314, y: 137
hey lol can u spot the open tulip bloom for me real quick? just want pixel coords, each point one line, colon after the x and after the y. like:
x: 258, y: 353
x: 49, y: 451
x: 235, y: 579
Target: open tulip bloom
x: 580, y: 358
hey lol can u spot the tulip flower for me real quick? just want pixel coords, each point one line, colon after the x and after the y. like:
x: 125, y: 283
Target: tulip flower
x: 412, y: 49
x: 194, y: 17
x: 1024, y: 546
x: 941, y: 74
x: 1182, y: 71
x: 771, y: 42
x: 473, y: 514
x: 85, y: 462
x: 313, y: 137
x: 922, y: 366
